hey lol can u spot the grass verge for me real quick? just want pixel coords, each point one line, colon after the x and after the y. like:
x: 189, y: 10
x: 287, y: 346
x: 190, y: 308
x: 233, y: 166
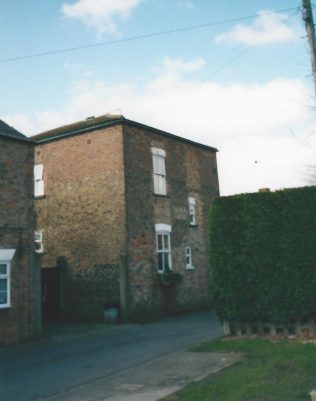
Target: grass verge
x: 269, y: 371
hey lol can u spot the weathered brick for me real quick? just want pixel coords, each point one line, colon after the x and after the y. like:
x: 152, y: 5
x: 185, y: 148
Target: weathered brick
x: 191, y: 172
x: 99, y: 214
x: 17, y: 223
x: 82, y: 217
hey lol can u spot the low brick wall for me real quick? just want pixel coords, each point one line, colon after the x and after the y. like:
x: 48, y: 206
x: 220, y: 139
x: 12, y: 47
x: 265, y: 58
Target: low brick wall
x: 88, y: 291
x: 300, y: 328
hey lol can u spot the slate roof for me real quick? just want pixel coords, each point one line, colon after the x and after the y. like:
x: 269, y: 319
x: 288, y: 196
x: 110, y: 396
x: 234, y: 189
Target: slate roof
x: 12, y: 133
x: 88, y: 124
x: 106, y: 120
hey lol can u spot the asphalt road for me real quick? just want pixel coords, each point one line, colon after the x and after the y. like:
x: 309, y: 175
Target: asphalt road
x: 42, y: 369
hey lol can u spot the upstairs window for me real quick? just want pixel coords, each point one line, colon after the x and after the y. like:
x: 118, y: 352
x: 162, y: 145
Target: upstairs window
x: 38, y: 180
x: 38, y: 241
x: 159, y: 171
x: 163, y: 247
x: 188, y: 257
x: 192, y: 212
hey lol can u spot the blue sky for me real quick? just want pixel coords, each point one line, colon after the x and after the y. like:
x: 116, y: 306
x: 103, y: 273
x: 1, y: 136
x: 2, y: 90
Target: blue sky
x: 242, y: 86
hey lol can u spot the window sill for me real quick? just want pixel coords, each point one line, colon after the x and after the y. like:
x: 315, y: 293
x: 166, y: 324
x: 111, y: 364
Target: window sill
x: 164, y: 271
x: 160, y: 195
x: 190, y: 268
x: 193, y: 225
x: 40, y: 197
x: 5, y: 307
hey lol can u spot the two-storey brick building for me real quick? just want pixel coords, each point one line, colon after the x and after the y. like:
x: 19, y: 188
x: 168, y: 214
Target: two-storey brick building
x: 20, y: 316
x: 119, y: 205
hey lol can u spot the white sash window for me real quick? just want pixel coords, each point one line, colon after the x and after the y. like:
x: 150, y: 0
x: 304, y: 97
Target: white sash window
x: 38, y: 180
x: 188, y: 257
x: 38, y: 241
x: 192, y: 212
x: 159, y: 171
x: 163, y: 247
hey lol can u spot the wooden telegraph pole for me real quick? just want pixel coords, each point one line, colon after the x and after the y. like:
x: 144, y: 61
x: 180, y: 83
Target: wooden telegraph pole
x: 307, y: 16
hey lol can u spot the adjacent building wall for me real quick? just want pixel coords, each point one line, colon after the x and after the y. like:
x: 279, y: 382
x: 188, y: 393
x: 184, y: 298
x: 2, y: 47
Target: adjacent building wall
x: 82, y: 215
x: 22, y: 319
x: 191, y: 171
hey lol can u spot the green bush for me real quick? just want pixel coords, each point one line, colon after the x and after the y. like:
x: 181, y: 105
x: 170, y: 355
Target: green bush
x: 263, y: 255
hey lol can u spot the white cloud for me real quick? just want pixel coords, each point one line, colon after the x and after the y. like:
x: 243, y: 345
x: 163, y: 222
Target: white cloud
x: 250, y: 163
x: 187, y: 4
x: 78, y: 69
x: 101, y: 15
x: 263, y: 123
x: 267, y: 28
x: 179, y: 65
x: 22, y: 122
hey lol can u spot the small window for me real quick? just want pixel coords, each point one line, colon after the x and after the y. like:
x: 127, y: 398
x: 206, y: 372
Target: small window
x: 192, y: 212
x: 4, y: 284
x: 159, y: 171
x: 188, y: 257
x: 163, y: 247
x: 38, y: 241
x: 38, y: 180
x: 6, y: 256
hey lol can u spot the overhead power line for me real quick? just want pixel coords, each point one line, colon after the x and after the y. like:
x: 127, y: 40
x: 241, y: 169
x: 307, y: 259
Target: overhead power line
x: 228, y: 63
x: 139, y: 37
x: 244, y: 50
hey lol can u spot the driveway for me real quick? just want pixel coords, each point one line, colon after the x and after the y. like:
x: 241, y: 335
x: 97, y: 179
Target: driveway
x: 63, y: 364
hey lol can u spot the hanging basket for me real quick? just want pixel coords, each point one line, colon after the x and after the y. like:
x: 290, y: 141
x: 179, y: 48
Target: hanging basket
x: 169, y: 279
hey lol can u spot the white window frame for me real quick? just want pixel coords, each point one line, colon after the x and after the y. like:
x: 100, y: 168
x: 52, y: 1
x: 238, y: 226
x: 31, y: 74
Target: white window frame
x: 6, y: 255
x: 38, y: 180
x: 163, y: 247
x: 6, y: 277
x: 188, y: 258
x: 192, y: 211
x: 159, y: 171
x: 38, y: 241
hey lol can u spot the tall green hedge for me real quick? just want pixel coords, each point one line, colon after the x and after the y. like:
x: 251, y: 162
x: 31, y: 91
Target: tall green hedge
x: 263, y: 255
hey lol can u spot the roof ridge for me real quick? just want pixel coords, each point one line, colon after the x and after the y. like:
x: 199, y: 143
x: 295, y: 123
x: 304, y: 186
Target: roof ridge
x: 87, y: 123
x: 106, y: 120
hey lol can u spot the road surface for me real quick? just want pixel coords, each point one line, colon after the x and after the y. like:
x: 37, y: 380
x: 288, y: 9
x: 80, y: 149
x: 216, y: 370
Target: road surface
x: 43, y: 369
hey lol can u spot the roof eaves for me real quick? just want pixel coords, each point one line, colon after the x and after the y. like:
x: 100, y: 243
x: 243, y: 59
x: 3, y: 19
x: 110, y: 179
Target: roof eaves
x: 168, y: 134
x: 109, y: 123
x: 9, y: 132
x: 16, y: 138
x: 79, y: 131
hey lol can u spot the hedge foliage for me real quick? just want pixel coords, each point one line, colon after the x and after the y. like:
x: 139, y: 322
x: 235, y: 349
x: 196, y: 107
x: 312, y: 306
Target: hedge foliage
x: 263, y: 255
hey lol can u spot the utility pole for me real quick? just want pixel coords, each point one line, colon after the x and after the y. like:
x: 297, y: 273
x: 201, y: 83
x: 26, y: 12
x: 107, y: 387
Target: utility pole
x: 307, y: 16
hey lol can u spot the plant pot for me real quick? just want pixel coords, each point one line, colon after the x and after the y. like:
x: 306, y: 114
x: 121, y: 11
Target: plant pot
x: 111, y: 314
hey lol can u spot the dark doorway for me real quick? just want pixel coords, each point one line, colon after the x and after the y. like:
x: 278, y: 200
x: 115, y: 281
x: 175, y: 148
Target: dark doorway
x: 51, y: 310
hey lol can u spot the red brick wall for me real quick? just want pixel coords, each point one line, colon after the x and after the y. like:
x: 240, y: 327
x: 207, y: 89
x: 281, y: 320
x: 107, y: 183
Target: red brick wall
x: 83, y: 217
x: 99, y: 204
x: 17, y: 223
x: 191, y: 172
